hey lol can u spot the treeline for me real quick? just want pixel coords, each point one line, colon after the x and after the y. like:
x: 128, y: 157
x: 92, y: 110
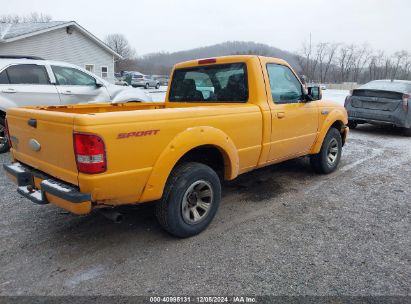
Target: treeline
x: 322, y: 62
x: 162, y: 62
x: 32, y: 17
x: 337, y: 63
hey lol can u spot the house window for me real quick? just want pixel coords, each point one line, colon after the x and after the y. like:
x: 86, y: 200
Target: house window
x: 104, y: 71
x: 89, y: 67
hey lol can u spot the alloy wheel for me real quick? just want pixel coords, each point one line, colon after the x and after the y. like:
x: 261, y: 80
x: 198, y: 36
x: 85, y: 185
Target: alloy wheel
x: 332, y: 152
x: 197, y: 201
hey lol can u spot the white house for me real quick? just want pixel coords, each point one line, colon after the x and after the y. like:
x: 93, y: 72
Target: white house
x: 59, y: 40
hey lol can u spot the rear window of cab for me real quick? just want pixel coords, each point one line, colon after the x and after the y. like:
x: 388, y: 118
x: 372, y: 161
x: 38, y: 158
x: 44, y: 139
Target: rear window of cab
x: 212, y: 83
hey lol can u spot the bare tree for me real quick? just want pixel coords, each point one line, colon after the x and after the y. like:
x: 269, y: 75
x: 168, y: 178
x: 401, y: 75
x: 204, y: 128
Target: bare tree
x: 398, y: 58
x: 360, y: 59
x: 304, y: 59
x: 407, y: 68
x: 387, y: 67
x: 331, y: 51
x: 120, y: 44
x: 321, y: 52
x: 32, y: 17
x: 346, y: 61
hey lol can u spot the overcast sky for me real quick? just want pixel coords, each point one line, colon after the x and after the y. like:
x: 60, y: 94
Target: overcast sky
x: 172, y: 25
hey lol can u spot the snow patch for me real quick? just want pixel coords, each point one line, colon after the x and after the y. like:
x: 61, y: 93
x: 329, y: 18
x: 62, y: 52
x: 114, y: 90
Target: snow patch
x: 56, y: 186
x: 35, y: 194
x: 17, y: 167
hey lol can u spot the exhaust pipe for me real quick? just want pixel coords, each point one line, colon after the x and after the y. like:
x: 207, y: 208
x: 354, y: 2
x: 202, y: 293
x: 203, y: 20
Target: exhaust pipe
x: 112, y: 215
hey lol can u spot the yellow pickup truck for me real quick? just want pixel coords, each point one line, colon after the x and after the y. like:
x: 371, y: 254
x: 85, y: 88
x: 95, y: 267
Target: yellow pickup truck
x: 222, y: 117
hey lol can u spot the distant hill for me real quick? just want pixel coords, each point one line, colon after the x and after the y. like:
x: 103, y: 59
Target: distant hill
x: 161, y: 63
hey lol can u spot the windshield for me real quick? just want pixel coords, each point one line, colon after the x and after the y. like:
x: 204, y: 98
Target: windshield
x: 214, y: 83
x: 387, y: 86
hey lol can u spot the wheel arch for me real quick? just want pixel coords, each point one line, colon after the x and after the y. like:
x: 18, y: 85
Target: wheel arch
x: 336, y: 119
x: 200, y: 144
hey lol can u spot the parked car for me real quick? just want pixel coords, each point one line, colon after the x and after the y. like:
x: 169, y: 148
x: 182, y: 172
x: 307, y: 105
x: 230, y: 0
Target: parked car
x: 121, y: 82
x: 381, y: 102
x: 29, y: 81
x: 145, y: 81
x: 176, y: 153
x: 323, y: 87
x: 162, y: 79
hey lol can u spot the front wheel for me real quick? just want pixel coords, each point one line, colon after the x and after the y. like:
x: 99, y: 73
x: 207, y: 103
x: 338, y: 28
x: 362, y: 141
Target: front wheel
x: 190, y: 200
x: 330, y: 154
x: 147, y: 86
x: 157, y: 86
x: 4, y: 145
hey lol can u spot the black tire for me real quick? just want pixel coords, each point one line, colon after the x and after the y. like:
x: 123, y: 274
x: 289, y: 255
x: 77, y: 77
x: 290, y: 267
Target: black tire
x: 406, y: 132
x: 147, y: 86
x: 352, y: 124
x: 323, y: 162
x: 4, y: 145
x: 157, y: 86
x: 176, y: 198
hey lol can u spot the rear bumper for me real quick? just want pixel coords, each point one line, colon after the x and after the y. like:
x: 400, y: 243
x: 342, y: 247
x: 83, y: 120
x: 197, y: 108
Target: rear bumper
x: 43, y: 189
x: 380, y: 117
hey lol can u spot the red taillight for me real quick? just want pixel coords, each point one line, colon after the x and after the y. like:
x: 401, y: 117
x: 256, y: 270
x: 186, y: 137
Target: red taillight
x: 405, y: 99
x: 6, y: 132
x: 207, y: 61
x: 90, y: 153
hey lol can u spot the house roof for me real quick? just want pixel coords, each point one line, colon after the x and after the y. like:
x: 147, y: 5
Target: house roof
x: 10, y: 32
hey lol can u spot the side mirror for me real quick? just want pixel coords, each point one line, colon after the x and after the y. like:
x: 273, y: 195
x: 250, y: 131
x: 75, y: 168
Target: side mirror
x: 99, y: 84
x: 314, y: 93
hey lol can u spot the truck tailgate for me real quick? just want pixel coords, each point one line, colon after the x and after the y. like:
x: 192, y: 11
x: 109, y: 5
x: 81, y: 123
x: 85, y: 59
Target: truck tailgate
x: 44, y: 141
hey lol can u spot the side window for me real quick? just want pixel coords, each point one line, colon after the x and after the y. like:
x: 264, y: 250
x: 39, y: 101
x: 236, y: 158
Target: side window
x: 27, y: 74
x: 73, y: 77
x: 4, y: 79
x: 104, y: 71
x: 89, y: 67
x: 285, y: 87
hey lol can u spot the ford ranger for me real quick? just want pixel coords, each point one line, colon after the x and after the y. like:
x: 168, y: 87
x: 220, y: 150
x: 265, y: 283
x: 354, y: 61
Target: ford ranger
x: 222, y: 117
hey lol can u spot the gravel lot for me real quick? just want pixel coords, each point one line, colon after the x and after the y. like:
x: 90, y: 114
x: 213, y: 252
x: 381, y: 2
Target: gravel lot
x: 280, y: 230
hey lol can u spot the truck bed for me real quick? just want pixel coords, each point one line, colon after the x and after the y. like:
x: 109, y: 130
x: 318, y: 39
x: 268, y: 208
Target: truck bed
x: 132, y: 146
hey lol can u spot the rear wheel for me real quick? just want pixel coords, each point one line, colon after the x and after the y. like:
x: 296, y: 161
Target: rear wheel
x: 330, y: 154
x: 147, y: 86
x: 407, y: 132
x: 157, y: 86
x: 190, y: 200
x: 4, y: 145
x: 352, y: 124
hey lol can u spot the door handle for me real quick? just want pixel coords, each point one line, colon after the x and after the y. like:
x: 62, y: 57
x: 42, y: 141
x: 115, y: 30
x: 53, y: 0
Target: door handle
x: 280, y: 114
x: 67, y: 93
x: 9, y: 91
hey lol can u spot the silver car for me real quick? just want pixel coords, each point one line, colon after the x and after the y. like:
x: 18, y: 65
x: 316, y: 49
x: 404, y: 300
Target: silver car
x: 381, y: 102
x: 121, y: 82
x: 140, y: 80
x: 27, y: 81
